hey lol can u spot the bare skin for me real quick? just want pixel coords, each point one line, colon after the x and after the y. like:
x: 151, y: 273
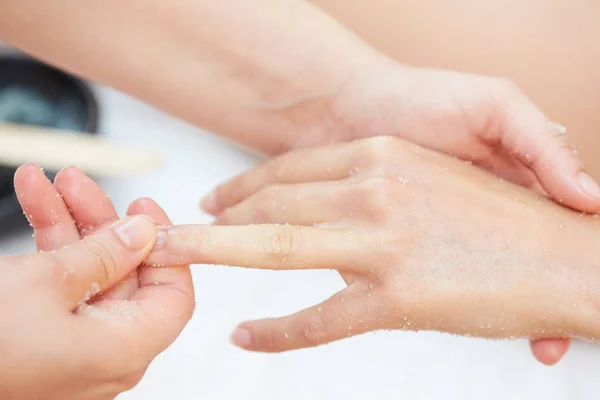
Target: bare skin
x: 305, y: 97
x: 511, y: 264
x: 548, y: 48
x: 88, y: 291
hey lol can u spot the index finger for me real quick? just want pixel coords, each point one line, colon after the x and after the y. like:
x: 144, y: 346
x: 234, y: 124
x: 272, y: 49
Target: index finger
x: 279, y: 247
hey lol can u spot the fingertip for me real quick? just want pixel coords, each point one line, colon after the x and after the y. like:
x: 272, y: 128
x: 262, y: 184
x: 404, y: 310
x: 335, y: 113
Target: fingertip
x: 241, y: 337
x: 209, y: 204
x: 576, y: 190
x: 590, y: 188
x: 151, y: 208
x: 68, y: 175
x: 28, y: 168
x: 549, y: 351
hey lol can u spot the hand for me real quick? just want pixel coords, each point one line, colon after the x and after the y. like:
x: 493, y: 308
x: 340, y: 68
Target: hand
x: 488, y: 121
x: 485, y: 120
x: 392, y: 218
x: 81, y: 299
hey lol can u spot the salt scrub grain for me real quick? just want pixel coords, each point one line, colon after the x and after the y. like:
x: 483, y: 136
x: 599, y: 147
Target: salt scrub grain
x: 91, y: 292
x: 403, y: 181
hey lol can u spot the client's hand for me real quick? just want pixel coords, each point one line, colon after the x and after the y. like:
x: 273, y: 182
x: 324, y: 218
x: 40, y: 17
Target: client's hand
x: 78, y: 322
x: 486, y: 120
x: 424, y: 242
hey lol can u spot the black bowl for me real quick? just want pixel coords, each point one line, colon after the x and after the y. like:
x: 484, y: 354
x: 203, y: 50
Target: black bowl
x: 66, y: 99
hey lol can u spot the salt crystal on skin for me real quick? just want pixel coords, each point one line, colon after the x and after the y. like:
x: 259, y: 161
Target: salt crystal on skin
x: 91, y: 292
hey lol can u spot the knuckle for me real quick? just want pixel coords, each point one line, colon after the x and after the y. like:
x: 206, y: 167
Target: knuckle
x: 381, y: 149
x: 283, y: 244
x: 377, y: 197
x: 129, y: 381
x: 105, y: 260
x: 270, y: 341
x: 314, y: 330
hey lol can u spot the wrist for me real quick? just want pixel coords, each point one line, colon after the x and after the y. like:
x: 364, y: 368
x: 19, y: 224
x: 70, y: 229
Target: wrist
x: 355, y: 108
x: 314, y: 109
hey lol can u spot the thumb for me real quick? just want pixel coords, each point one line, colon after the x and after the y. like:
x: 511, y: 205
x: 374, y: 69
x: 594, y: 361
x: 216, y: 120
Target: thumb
x: 542, y: 147
x: 99, y: 261
x: 561, y: 173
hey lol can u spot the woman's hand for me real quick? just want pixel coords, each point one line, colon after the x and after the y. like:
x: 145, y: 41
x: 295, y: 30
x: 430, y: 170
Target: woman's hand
x: 424, y: 242
x: 77, y: 314
x: 488, y: 121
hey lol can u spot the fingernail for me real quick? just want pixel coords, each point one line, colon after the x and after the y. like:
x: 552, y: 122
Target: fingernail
x: 161, y: 238
x: 209, y: 203
x: 241, y: 337
x: 589, y: 185
x: 135, y: 232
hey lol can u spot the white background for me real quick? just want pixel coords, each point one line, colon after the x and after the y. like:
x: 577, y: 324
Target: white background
x: 384, y: 365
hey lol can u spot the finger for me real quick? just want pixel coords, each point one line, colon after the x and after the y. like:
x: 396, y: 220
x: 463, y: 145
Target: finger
x: 549, y: 351
x: 178, y: 278
x: 165, y: 296
x: 528, y: 135
x: 98, y: 262
x: 347, y: 313
x: 45, y: 210
x: 260, y: 246
x: 309, y: 165
x: 92, y: 210
x: 89, y: 204
x: 296, y: 204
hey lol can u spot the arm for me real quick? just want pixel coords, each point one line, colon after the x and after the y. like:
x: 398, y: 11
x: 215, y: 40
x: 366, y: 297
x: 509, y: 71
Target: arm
x: 255, y: 71
x: 275, y: 75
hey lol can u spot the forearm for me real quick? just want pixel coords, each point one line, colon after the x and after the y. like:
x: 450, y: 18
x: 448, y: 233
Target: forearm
x: 253, y: 71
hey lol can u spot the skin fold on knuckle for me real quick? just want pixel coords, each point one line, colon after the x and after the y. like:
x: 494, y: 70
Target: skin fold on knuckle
x: 378, y: 150
x: 378, y: 198
x: 283, y: 244
x: 105, y: 262
x: 271, y: 340
x: 313, y: 331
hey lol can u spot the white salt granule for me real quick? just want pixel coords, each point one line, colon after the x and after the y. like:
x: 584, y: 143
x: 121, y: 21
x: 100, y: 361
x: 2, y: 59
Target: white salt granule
x: 91, y: 292
x: 403, y: 181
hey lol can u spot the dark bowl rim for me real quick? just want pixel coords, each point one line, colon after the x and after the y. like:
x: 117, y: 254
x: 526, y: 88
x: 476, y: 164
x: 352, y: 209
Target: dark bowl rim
x: 9, y: 220
x: 84, y: 88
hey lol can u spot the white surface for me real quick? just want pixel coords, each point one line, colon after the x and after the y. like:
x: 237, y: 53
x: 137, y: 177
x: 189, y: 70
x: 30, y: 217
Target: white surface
x: 386, y: 365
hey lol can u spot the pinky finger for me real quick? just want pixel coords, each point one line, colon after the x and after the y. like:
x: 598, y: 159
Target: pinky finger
x: 341, y: 316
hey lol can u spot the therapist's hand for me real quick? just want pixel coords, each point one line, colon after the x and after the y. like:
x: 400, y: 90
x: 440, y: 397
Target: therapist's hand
x: 424, y: 242
x: 71, y: 328
x: 488, y: 121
